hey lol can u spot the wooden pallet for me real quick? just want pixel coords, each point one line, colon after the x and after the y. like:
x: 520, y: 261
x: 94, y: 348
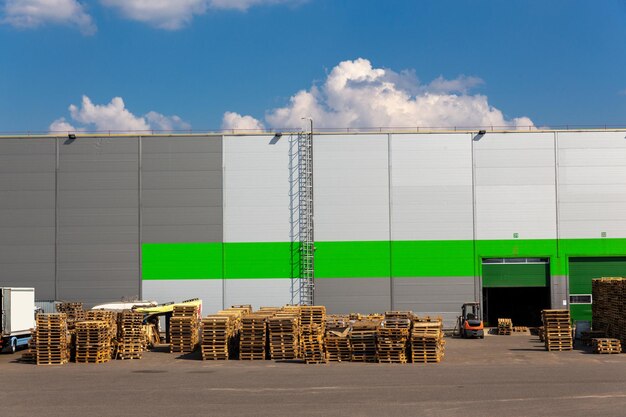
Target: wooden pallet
x: 606, y: 345
x: 505, y: 326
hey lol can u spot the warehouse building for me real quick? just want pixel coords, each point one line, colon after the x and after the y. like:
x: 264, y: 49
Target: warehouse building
x: 406, y: 221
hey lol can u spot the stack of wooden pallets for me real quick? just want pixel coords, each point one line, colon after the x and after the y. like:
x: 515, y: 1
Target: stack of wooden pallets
x: 131, y: 335
x: 312, y: 315
x: 284, y: 332
x: 51, y: 335
x: 313, y: 343
x: 235, y: 313
x: 392, y: 337
x: 184, y: 329
x: 609, y: 307
x: 520, y: 329
x: 216, y: 333
x: 93, y: 341
x: 606, y: 345
x: 253, y: 336
x: 74, y: 311
x: 505, y: 327
x: 363, y: 340
x: 313, y: 328
x: 557, y: 330
x: 427, y: 343
x: 337, y: 339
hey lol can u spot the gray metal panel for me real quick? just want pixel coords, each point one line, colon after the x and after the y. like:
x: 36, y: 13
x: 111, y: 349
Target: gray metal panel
x: 437, y: 296
x: 182, y: 189
x: 98, y: 219
x: 559, y: 292
x: 350, y: 295
x: 27, y: 214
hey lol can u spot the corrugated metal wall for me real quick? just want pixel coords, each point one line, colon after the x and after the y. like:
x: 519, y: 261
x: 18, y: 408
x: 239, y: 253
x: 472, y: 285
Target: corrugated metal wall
x: 402, y: 220
x: 258, y: 217
x: 27, y: 214
x: 181, y: 217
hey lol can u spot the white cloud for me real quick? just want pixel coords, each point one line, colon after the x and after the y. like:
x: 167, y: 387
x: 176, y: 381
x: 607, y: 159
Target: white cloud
x: 355, y: 94
x: 62, y: 125
x: 116, y: 118
x: 34, y: 13
x: 233, y: 120
x: 174, y: 14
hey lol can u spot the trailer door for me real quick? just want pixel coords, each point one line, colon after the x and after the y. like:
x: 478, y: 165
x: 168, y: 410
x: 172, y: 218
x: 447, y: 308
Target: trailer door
x: 19, y: 306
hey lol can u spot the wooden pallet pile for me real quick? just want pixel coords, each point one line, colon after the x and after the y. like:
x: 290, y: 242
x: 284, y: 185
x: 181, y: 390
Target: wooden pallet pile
x: 253, y: 336
x: 184, y: 329
x: 93, y: 341
x: 520, y: 329
x: 427, y: 342
x: 606, y: 345
x: 609, y: 307
x: 74, y: 312
x: 236, y: 313
x: 557, y: 330
x: 363, y: 340
x: 284, y: 335
x: 392, y: 337
x: 337, y: 339
x: 312, y: 337
x: 217, y: 331
x: 131, y: 340
x: 313, y: 328
x: 505, y: 327
x: 52, y: 347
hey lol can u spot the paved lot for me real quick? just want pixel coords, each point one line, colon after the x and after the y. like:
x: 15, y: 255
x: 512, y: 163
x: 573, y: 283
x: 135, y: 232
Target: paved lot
x: 498, y: 376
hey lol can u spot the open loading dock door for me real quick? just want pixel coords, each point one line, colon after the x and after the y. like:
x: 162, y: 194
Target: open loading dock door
x: 515, y: 288
x: 581, y: 272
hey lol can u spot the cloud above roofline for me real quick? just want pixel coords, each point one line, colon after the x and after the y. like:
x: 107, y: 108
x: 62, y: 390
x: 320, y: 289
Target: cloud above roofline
x: 355, y: 94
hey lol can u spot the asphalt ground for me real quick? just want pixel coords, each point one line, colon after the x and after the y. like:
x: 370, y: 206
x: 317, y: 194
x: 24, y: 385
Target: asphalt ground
x: 498, y: 376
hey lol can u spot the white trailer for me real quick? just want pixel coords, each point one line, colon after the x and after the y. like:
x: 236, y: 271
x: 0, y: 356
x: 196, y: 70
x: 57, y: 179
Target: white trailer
x: 17, y: 317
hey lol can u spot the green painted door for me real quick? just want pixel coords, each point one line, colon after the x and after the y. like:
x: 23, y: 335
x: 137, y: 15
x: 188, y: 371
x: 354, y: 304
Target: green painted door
x: 583, y: 270
x: 515, y: 275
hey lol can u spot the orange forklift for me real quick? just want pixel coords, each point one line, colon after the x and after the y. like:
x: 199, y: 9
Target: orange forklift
x: 470, y: 322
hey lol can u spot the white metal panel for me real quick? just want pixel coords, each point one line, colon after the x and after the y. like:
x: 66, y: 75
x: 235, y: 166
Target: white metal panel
x: 258, y: 292
x: 351, y: 187
x: 163, y: 291
x: 515, y: 188
x: 257, y: 188
x: 592, y: 184
x: 431, y: 180
x: 19, y: 307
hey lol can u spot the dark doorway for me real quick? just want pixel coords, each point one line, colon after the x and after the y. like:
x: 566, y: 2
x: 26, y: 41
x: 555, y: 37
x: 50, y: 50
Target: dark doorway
x: 522, y: 305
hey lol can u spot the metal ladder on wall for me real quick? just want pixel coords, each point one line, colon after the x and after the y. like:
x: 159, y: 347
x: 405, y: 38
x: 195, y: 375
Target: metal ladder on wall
x: 305, y: 214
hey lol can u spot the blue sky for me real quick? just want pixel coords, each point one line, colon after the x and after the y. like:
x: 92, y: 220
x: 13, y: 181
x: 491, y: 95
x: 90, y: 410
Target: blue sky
x: 554, y: 62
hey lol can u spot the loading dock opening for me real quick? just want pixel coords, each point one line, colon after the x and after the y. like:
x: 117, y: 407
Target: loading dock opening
x: 515, y: 288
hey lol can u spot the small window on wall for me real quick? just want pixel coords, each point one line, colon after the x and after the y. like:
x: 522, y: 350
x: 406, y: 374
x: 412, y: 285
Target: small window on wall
x: 580, y: 299
x: 492, y: 261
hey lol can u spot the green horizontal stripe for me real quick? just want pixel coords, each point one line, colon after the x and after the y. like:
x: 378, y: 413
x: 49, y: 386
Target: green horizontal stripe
x: 359, y: 259
x: 181, y: 261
